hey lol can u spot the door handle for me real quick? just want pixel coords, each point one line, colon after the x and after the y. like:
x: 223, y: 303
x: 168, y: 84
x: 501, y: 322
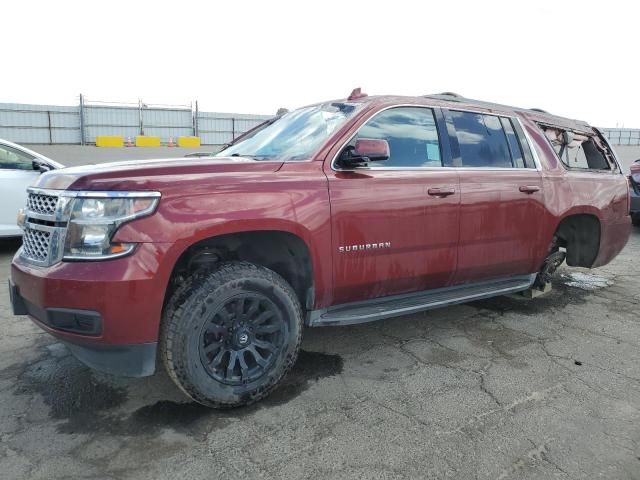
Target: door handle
x: 529, y: 188
x: 441, y: 191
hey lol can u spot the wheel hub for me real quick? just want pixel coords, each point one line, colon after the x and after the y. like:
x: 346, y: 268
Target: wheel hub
x: 241, y: 339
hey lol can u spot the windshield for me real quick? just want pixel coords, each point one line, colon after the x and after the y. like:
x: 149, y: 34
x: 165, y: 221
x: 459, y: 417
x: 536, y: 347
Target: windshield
x: 296, y: 135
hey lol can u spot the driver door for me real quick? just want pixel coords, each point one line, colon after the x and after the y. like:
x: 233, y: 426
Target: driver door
x: 395, y: 223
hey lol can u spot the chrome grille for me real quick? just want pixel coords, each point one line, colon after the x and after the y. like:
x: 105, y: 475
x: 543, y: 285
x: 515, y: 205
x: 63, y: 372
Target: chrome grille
x: 42, y: 204
x: 44, y: 228
x: 36, y: 245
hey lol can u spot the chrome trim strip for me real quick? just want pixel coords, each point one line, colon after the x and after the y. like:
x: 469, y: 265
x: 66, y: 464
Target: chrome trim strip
x: 440, y: 169
x: 80, y: 258
x: 94, y: 194
x: 39, y: 216
x: 42, y: 228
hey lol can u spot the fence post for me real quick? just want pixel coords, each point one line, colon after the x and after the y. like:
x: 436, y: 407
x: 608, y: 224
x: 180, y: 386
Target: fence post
x: 140, y: 117
x: 195, y: 121
x: 233, y: 128
x: 82, y: 137
x: 49, y: 124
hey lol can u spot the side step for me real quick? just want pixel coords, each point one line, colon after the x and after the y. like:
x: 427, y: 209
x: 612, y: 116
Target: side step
x: 396, y: 305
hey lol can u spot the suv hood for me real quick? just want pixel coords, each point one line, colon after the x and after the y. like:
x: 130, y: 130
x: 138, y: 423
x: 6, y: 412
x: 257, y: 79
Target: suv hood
x: 151, y: 174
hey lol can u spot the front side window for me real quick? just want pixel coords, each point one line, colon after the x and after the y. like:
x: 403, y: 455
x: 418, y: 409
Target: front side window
x: 12, y: 159
x: 411, y: 133
x: 297, y: 135
x: 483, y: 141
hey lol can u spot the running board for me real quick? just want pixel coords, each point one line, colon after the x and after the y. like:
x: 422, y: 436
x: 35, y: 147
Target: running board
x: 396, y: 305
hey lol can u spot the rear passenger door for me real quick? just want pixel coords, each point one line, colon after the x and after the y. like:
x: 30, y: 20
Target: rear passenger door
x: 502, y: 203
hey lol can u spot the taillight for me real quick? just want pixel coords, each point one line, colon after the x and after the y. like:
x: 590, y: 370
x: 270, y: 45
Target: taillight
x: 631, y: 188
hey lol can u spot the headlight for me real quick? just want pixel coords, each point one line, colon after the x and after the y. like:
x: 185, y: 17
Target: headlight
x: 94, y: 221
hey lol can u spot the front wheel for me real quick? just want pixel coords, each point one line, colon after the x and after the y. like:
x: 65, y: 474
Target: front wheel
x: 230, y: 336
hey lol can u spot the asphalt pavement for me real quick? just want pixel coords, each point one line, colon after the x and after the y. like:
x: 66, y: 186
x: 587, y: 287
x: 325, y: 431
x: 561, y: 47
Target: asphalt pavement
x: 506, y: 388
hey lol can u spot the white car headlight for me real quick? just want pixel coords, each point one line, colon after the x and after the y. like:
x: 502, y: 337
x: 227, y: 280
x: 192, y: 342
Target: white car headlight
x: 94, y: 221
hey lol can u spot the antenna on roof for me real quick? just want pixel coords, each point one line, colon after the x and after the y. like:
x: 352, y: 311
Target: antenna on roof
x: 357, y: 93
x: 451, y: 94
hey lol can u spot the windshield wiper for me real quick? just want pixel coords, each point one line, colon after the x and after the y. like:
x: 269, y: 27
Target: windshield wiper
x: 253, y: 157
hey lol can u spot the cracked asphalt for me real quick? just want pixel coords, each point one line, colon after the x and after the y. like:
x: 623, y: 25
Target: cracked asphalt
x: 506, y: 388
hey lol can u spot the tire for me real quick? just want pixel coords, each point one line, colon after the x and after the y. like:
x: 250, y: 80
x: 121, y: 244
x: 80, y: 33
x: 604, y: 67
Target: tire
x: 229, y: 337
x: 635, y: 219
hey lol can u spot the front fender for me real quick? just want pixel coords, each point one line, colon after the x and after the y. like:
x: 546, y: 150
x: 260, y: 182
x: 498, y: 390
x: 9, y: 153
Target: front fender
x: 302, y: 211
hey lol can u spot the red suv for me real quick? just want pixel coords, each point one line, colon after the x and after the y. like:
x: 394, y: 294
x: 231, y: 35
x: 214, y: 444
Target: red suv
x: 337, y: 213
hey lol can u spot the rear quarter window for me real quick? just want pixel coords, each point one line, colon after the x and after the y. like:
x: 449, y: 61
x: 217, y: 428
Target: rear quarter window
x: 577, y: 149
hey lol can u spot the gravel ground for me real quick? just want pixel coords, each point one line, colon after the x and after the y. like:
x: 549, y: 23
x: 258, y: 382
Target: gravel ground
x: 506, y: 388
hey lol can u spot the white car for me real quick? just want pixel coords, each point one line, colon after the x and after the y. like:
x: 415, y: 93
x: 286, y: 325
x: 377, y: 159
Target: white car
x: 19, y: 168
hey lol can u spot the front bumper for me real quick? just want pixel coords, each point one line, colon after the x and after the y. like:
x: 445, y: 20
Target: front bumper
x: 108, y: 313
x: 137, y: 360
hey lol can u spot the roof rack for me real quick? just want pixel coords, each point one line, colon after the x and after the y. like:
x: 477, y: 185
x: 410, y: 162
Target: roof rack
x: 455, y: 97
x: 450, y: 94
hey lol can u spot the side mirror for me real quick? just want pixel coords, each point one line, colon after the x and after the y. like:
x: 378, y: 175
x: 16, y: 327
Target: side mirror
x: 364, y: 151
x: 41, y: 167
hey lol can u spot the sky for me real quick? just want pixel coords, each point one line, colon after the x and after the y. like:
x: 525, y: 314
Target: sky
x: 574, y: 58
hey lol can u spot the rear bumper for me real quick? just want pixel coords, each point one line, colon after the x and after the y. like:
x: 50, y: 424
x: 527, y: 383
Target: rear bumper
x: 614, y: 237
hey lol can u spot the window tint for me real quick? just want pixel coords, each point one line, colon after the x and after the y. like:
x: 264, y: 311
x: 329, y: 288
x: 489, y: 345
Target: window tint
x: 482, y: 140
x: 12, y: 159
x: 529, y: 162
x: 514, y: 146
x: 411, y: 133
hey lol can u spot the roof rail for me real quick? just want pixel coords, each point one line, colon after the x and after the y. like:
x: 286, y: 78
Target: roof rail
x: 450, y: 94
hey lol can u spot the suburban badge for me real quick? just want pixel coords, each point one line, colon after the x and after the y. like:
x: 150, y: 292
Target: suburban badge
x: 363, y: 246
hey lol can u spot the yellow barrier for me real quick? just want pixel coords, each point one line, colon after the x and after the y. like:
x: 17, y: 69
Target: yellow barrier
x: 190, y: 142
x: 114, y: 141
x: 142, y: 141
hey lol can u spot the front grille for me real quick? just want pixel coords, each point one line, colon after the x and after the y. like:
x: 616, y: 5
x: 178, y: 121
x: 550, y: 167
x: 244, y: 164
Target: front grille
x: 44, y: 228
x: 36, y: 245
x: 42, y: 204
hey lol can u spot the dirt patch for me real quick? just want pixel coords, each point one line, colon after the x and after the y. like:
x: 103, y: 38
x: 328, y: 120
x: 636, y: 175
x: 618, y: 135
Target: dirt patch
x: 90, y: 404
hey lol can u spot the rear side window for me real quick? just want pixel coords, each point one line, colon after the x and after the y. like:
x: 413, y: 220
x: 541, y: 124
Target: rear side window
x: 577, y: 150
x: 482, y: 140
x: 514, y: 147
x: 488, y: 141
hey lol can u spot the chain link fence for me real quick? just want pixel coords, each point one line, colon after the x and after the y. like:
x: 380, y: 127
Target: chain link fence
x: 51, y: 124
x: 622, y: 136
x: 81, y: 124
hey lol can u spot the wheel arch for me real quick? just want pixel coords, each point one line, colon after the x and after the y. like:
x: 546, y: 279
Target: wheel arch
x: 283, y: 251
x: 579, y: 232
